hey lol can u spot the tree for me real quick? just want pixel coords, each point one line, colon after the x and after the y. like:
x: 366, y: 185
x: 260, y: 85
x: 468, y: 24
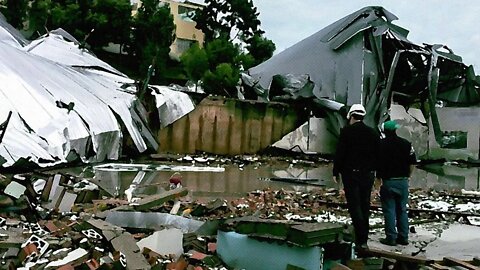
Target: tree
x: 154, y: 32
x: 260, y: 48
x: 228, y: 19
x: 111, y: 21
x: 195, y: 63
x: 38, y: 16
x: 234, y: 42
x: 222, y: 81
x: 95, y: 22
x: 15, y: 11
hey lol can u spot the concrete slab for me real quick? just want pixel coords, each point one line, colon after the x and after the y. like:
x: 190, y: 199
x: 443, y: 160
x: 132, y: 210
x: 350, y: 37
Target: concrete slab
x: 15, y: 189
x: 164, y: 242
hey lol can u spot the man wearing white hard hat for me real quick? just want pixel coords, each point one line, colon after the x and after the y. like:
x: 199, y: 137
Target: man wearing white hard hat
x: 355, y: 162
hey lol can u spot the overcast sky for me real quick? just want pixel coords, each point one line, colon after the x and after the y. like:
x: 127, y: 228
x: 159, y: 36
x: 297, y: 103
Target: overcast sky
x: 455, y: 23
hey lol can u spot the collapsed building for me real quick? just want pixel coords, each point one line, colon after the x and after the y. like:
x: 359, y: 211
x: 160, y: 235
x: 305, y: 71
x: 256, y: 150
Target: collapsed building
x: 60, y: 103
x: 365, y: 58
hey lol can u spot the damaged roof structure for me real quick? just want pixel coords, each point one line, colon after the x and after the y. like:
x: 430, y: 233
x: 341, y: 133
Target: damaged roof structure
x: 60, y: 103
x: 365, y: 58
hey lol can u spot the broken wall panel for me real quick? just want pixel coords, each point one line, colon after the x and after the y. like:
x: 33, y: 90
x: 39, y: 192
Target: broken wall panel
x: 314, y: 136
x: 454, y: 119
x: 413, y: 127
x: 172, y: 105
x: 227, y: 126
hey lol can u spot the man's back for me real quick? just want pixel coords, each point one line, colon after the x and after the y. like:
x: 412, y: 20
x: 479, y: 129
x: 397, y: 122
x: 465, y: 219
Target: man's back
x: 357, y: 148
x: 395, y: 157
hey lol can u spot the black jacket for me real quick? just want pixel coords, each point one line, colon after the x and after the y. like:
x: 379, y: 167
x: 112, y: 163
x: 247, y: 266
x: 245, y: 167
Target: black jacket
x: 395, y: 157
x: 357, y: 149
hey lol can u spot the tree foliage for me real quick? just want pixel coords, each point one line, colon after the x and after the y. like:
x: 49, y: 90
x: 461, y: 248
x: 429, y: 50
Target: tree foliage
x: 228, y: 19
x: 38, y: 16
x: 222, y: 81
x: 15, y: 11
x: 96, y: 22
x: 154, y: 32
x: 260, y: 48
x: 233, y: 42
x: 195, y: 62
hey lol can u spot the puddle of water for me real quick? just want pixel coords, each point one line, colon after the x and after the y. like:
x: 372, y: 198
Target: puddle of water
x: 236, y: 181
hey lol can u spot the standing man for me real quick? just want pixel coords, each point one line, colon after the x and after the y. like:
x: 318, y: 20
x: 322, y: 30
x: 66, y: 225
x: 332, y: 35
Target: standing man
x: 396, y: 162
x: 355, y: 162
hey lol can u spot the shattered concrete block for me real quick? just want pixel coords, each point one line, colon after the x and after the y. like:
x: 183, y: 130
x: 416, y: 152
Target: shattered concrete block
x: 28, y: 252
x: 165, y: 242
x: 34, y: 228
x: 40, y: 244
x: 158, y: 199
x: 108, y: 230
x: 74, y: 257
x: 91, y: 233
x: 15, y: 189
x: 11, y: 238
x: 127, y: 245
x: 11, y: 253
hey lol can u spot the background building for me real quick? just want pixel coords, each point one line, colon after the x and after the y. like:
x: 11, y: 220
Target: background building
x: 186, y: 33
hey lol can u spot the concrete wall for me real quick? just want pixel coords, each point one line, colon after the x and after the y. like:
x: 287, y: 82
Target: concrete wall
x: 229, y: 127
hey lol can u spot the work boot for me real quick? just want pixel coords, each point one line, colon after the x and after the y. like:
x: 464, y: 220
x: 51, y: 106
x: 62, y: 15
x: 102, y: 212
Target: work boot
x: 388, y: 242
x: 402, y: 242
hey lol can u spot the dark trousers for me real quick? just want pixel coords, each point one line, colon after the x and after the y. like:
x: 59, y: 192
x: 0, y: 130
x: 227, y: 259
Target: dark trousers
x: 358, y: 187
x: 394, y: 197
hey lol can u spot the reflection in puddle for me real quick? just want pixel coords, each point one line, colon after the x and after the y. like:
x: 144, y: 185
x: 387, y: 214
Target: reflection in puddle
x: 233, y: 181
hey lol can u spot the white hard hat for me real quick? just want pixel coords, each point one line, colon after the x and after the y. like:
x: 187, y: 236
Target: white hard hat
x: 357, y: 109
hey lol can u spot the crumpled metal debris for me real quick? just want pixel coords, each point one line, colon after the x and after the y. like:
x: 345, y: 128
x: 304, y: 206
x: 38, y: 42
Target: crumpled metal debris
x: 365, y: 58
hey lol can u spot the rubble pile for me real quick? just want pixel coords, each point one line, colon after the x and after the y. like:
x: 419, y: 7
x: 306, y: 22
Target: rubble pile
x: 58, y: 221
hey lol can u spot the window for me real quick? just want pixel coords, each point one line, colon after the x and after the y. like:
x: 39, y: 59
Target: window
x: 184, y: 44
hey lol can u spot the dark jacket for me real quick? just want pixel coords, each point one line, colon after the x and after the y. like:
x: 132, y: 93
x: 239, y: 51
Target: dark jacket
x: 357, y: 149
x: 395, y: 157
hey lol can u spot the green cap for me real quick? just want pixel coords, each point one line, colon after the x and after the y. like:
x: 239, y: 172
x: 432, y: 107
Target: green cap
x: 390, y: 125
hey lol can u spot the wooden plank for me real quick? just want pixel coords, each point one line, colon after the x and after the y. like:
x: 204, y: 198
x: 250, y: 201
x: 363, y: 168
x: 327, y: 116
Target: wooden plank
x: 437, y: 266
x: 399, y: 257
x: 457, y: 262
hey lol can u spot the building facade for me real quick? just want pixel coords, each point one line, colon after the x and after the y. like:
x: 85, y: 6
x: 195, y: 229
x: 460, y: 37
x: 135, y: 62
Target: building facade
x: 186, y: 33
